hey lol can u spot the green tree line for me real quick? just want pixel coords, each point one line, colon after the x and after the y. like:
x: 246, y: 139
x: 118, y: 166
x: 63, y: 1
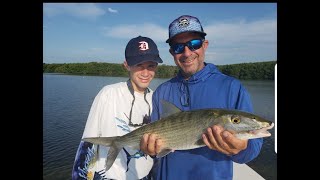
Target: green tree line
x: 243, y: 71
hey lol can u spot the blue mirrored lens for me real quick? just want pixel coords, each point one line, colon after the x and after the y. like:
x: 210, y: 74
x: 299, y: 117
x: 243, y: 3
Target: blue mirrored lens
x: 192, y: 45
x: 178, y: 48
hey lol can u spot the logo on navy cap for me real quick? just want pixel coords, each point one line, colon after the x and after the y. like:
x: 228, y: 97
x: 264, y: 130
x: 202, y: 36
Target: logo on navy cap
x: 143, y: 45
x: 183, y: 22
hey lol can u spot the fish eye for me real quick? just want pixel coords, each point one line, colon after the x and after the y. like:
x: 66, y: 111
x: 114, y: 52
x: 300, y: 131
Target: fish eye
x: 235, y: 120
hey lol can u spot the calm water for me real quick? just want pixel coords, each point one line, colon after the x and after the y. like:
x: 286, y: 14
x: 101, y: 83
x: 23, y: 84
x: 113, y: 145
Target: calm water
x: 66, y: 103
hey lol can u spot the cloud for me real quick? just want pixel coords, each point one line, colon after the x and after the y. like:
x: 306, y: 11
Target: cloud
x: 112, y: 10
x: 242, y: 32
x: 229, y: 42
x: 242, y: 41
x: 80, y: 10
x: 155, y: 32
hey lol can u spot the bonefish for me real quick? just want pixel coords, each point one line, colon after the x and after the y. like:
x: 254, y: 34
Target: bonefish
x: 182, y: 130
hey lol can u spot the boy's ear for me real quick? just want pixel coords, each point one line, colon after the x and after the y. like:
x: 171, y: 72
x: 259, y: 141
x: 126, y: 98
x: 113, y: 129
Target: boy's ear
x: 126, y: 65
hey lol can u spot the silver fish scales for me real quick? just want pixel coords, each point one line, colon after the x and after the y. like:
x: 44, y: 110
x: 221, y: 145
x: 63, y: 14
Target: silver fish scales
x: 181, y: 130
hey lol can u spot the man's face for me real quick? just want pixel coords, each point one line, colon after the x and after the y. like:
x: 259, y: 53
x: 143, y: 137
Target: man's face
x: 142, y: 74
x: 189, y: 61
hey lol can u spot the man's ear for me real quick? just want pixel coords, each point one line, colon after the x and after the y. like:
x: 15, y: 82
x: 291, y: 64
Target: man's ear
x: 126, y: 65
x: 170, y: 51
x: 205, y: 44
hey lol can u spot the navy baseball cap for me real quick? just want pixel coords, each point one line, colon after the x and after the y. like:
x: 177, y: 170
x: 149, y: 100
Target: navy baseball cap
x: 141, y: 49
x: 185, y: 23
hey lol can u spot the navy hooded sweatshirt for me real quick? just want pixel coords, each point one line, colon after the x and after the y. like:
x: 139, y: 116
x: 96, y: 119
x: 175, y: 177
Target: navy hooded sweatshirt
x: 208, y: 88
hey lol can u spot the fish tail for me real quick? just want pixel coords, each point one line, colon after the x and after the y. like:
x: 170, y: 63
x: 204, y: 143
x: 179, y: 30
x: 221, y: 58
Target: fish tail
x: 105, y: 141
x: 112, y: 142
x: 112, y: 155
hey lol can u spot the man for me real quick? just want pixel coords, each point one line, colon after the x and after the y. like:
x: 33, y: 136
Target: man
x: 116, y: 110
x: 199, y: 85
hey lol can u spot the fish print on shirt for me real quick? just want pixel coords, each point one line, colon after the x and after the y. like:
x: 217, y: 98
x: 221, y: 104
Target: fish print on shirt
x: 84, y: 166
x: 122, y: 125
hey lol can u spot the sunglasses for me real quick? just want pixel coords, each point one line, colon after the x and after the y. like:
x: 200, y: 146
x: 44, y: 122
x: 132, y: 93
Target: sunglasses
x: 192, y: 45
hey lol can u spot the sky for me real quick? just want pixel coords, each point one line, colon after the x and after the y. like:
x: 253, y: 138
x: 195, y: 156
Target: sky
x: 99, y: 32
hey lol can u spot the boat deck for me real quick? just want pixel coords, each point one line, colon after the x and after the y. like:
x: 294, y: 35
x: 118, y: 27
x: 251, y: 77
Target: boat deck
x: 244, y: 172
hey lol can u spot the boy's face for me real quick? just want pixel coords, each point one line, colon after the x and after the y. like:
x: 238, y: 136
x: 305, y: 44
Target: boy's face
x: 142, y: 74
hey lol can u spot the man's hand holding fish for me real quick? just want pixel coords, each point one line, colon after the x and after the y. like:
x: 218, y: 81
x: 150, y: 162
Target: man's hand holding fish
x: 223, y: 141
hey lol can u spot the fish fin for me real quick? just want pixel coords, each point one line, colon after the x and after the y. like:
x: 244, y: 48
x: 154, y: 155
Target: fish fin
x: 168, y: 109
x: 199, y: 142
x: 112, y: 155
x: 164, y: 152
x: 105, y: 141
